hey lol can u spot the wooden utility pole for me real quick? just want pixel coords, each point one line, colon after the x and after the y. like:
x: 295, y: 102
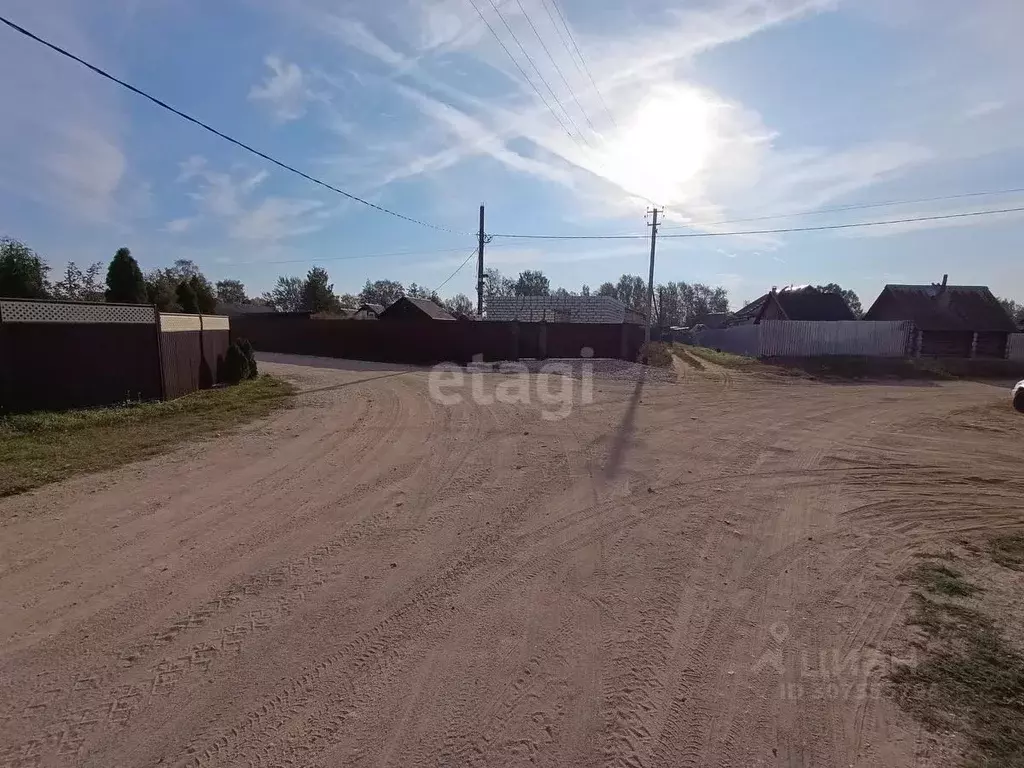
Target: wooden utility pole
x: 480, y: 267
x: 650, y: 280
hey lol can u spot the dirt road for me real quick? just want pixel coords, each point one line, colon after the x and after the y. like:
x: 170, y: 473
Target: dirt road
x: 692, y: 573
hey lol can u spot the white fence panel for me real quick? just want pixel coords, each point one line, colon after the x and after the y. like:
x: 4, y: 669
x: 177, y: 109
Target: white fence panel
x: 813, y: 338
x: 739, y: 340
x: 1015, y: 346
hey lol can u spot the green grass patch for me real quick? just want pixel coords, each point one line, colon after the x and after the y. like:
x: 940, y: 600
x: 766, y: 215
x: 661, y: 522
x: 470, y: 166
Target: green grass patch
x: 1008, y: 551
x: 44, y: 447
x: 968, y: 679
x: 724, y: 359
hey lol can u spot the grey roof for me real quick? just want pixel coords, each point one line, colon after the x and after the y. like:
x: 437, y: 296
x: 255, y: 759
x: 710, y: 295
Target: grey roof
x: 949, y: 308
x: 426, y: 306
x: 811, y: 304
x: 377, y: 308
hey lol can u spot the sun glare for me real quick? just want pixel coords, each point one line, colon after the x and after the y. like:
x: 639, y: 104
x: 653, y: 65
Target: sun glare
x: 663, y: 146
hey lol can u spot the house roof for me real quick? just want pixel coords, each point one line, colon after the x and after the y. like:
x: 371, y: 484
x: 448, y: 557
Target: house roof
x: 949, y: 308
x: 426, y: 306
x: 376, y: 308
x: 807, y: 303
x: 750, y: 311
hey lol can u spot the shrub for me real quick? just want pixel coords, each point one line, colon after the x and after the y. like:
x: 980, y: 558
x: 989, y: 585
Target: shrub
x: 655, y: 353
x: 250, y: 357
x: 236, y: 366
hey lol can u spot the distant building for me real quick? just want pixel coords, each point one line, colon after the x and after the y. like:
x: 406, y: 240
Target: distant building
x: 408, y: 308
x: 367, y: 312
x: 794, y: 303
x: 951, y: 320
x: 561, y: 309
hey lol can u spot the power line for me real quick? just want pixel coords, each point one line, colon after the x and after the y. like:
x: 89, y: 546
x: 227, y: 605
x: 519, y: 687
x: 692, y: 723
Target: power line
x: 912, y: 219
x: 583, y: 61
x: 521, y: 70
x: 962, y: 215
x: 317, y: 260
x: 215, y: 132
x: 856, y: 207
x: 557, y: 68
x: 539, y: 73
x: 453, y: 274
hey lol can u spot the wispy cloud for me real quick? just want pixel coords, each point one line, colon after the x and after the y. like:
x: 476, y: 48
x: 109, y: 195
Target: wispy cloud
x: 62, y: 147
x: 227, y: 199
x: 286, y: 90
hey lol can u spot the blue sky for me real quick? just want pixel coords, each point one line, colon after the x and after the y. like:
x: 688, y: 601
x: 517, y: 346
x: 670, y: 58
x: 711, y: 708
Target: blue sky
x: 719, y: 110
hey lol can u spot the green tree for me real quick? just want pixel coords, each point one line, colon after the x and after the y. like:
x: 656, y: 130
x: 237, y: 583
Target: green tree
x: 205, y: 299
x: 92, y: 288
x: 287, y: 294
x: 460, y: 304
x: 532, y: 283
x: 231, y: 292
x: 608, y: 289
x: 851, y: 298
x: 162, y: 291
x: 585, y: 290
x: 497, y: 285
x: 383, y: 292
x: 348, y: 301
x: 125, y: 284
x: 317, y: 293
x: 631, y: 290
x: 69, y: 288
x: 187, y: 299
x: 22, y: 271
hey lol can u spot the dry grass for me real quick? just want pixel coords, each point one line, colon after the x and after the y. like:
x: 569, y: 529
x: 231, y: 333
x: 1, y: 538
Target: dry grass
x: 969, y: 678
x: 655, y: 353
x: 44, y: 447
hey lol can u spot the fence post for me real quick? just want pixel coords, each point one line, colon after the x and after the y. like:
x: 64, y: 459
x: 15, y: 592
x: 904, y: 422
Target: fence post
x: 543, y: 339
x: 514, y: 329
x: 160, y: 351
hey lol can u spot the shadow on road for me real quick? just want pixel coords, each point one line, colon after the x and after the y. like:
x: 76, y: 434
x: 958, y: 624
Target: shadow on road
x: 625, y: 431
x: 335, y: 363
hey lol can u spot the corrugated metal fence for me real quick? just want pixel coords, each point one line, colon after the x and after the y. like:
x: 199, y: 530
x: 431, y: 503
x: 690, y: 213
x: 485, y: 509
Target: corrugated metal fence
x: 809, y: 338
x: 1015, y: 346
x: 739, y: 340
x: 56, y: 355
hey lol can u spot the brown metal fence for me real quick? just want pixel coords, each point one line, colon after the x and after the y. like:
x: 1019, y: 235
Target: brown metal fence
x: 192, y: 349
x: 426, y: 342
x: 57, y: 355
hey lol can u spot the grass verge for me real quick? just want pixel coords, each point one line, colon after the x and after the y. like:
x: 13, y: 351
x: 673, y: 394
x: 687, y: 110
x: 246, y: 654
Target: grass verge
x: 853, y: 368
x: 968, y: 678
x: 44, y: 447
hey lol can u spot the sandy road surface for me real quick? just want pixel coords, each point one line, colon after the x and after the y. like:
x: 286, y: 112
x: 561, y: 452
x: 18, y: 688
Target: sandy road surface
x: 696, y: 573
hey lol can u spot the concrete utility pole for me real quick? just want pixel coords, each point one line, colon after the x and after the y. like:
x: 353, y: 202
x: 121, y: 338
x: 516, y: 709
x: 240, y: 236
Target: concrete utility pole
x: 480, y: 267
x: 650, y: 280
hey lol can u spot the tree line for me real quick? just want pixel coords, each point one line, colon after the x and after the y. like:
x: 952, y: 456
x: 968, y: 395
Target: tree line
x: 182, y: 287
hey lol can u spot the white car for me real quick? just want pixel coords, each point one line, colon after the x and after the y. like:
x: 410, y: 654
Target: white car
x: 1018, y: 396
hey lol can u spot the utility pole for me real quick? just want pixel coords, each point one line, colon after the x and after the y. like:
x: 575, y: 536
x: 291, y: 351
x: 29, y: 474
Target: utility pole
x: 482, y: 238
x: 650, y: 280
